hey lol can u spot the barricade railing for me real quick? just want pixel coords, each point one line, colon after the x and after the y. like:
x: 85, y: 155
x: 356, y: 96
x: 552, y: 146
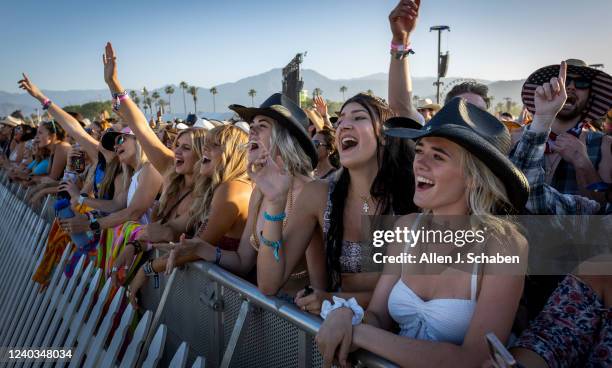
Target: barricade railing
x: 201, y: 313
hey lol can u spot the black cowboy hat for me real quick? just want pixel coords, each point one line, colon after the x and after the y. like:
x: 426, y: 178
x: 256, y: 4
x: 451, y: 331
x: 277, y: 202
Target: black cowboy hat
x: 600, y: 98
x: 397, y: 122
x: 481, y: 134
x: 280, y: 108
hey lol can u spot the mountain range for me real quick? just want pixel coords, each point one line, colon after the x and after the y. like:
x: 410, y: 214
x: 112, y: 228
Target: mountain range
x: 265, y: 84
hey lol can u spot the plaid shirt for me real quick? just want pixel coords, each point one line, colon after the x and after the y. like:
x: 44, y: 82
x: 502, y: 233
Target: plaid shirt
x: 528, y: 156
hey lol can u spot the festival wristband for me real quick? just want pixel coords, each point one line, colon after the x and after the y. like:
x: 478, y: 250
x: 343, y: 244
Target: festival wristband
x: 400, y: 55
x: 46, y: 103
x: 118, y: 98
x: 400, y: 47
x: 327, y: 308
x: 274, y: 218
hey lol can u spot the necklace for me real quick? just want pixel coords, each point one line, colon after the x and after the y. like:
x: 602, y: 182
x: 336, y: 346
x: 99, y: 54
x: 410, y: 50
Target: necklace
x: 366, y: 204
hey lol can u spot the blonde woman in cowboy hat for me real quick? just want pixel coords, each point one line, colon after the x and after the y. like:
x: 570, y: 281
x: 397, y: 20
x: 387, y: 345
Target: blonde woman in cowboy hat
x: 277, y: 126
x: 460, y: 169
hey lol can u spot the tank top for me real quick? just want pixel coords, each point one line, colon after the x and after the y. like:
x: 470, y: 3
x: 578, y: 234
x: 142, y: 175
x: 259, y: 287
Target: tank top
x: 444, y: 320
x: 146, y: 217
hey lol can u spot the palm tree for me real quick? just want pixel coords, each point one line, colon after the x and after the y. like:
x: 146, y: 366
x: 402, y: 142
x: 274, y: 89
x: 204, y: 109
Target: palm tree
x: 184, y: 86
x: 214, y: 92
x: 136, y: 100
x: 133, y: 95
x: 316, y: 92
x: 343, y: 89
x: 169, y: 91
x: 162, y: 105
x: 145, y: 95
x: 252, y: 94
x: 149, y: 103
x: 193, y: 91
x: 155, y: 96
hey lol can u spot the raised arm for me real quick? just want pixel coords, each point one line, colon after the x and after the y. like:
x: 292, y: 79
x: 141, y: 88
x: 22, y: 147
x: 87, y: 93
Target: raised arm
x: 403, y: 21
x: 65, y: 120
x: 160, y: 156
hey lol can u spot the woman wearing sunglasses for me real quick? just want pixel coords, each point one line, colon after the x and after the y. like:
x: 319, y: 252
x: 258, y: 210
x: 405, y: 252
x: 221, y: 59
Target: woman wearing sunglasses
x: 107, y: 168
x: 325, y: 143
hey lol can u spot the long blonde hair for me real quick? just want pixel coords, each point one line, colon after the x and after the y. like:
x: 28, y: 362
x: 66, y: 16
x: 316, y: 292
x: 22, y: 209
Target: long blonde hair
x: 294, y: 158
x: 486, y: 193
x: 233, y: 166
x: 175, y: 180
x: 127, y: 170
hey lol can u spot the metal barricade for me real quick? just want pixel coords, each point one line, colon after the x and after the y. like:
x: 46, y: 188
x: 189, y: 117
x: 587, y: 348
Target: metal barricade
x: 222, y: 318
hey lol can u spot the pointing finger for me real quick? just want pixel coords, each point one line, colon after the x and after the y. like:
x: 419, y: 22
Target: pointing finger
x: 563, y: 72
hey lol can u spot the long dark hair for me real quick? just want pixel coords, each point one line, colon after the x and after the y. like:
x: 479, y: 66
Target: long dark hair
x: 394, y: 183
x: 379, y: 112
x: 55, y: 128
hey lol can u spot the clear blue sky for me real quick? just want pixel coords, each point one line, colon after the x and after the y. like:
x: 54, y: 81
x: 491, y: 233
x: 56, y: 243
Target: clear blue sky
x: 59, y: 43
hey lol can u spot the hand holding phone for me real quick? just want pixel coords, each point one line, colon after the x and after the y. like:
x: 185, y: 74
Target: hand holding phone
x: 500, y: 356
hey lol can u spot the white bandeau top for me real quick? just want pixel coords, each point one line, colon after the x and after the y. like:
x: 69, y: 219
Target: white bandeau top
x: 445, y: 320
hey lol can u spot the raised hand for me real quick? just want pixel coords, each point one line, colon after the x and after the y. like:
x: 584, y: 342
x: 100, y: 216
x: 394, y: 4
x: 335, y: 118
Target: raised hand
x: 31, y: 88
x: 270, y: 176
x: 110, y: 68
x: 550, y: 97
x: 403, y: 20
x: 320, y: 105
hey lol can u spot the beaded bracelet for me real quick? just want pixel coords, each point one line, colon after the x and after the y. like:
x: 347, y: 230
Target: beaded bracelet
x: 46, y: 104
x: 275, y: 218
x: 275, y: 245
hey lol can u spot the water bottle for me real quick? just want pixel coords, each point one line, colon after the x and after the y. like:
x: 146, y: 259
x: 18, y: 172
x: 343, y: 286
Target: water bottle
x: 69, y: 176
x: 63, y: 211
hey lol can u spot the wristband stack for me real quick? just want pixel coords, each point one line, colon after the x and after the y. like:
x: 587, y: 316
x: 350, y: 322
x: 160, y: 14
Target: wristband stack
x: 400, y: 51
x: 149, y: 271
x: 118, y: 98
x: 46, y: 104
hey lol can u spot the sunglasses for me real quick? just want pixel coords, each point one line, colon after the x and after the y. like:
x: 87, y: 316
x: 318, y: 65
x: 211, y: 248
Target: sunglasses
x: 579, y: 82
x: 119, y: 140
x: 318, y: 143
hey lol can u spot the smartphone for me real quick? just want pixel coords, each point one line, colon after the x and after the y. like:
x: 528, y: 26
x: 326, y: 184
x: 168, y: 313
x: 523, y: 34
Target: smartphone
x: 499, y: 354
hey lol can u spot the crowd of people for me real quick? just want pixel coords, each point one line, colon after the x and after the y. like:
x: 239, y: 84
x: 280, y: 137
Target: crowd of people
x: 277, y: 195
